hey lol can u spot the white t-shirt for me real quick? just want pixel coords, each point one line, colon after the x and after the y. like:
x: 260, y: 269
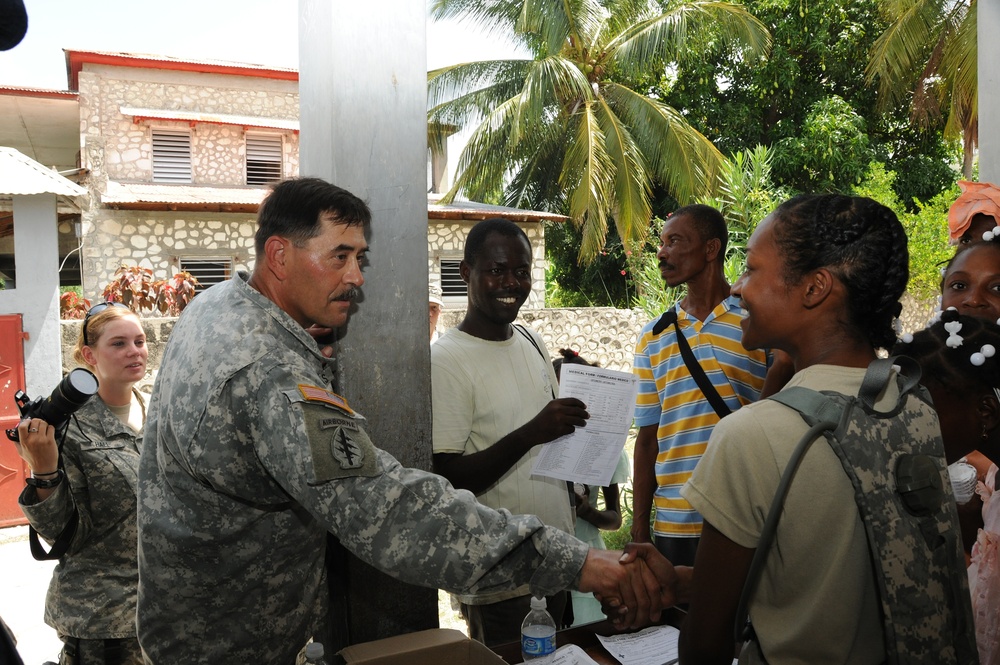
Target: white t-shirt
x: 482, y: 391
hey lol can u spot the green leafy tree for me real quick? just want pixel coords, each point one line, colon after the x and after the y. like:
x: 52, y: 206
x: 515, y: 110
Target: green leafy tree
x: 831, y: 150
x: 926, y: 229
x: 566, y: 129
x: 927, y: 58
x: 814, y: 59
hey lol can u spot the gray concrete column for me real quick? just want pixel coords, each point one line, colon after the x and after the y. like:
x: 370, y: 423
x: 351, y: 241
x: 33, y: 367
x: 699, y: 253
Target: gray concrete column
x: 363, y: 110
x: 988, y: 18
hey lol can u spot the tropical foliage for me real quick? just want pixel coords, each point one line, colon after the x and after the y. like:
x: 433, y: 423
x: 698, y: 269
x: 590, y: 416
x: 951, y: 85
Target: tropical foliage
x: 926, y: 230
x: 72, y: 305
x: 134, y: 287
x: 927, y: 59
x: 811, y: 102
x: 568, y: 129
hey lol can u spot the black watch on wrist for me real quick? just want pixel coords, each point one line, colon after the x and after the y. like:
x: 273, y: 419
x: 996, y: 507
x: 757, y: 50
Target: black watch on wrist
x: 47, y: 483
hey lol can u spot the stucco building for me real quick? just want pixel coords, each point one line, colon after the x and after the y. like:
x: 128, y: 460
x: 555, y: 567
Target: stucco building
x: 176, y: 156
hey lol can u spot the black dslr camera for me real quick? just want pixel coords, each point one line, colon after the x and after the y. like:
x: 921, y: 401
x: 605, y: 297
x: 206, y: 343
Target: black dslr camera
x: 72, y: 392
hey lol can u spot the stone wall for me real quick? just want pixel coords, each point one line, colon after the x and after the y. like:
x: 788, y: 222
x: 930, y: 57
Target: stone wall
x: 604, y: 335
x: 600, y: 334
x: 116, y: 147
x: 217, y: 151
x: 157, y: 240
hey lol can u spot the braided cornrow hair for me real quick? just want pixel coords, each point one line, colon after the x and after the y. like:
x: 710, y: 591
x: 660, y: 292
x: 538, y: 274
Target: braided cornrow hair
x: 861, y: 242
x: 953, y: 367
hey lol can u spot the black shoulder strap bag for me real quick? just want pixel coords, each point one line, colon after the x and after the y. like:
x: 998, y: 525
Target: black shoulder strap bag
x: 668, y: 319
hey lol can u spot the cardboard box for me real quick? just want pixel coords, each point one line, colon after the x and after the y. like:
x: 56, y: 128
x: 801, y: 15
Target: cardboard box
x: 441, y: 646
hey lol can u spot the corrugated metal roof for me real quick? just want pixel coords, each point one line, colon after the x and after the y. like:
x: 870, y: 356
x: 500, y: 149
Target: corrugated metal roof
x: 21, y: 175
x: 136, y: 192
x: 474, y: 211
x: 169, y: 59
x: 217, y: 118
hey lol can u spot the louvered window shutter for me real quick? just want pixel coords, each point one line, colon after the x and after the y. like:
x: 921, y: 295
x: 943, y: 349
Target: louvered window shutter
x: 263, y: 159
x: 207, y: 270
x: 171, y: 156
x: 451, y: 278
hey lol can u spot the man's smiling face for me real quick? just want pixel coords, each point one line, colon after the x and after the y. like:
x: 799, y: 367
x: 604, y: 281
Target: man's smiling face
x: 500, y: 279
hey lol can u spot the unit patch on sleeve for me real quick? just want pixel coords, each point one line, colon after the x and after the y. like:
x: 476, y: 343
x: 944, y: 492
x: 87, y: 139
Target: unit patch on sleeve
x: 340, y: 447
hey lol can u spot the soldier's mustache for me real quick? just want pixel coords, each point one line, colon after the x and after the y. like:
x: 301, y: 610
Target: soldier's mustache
x: 352, y: 293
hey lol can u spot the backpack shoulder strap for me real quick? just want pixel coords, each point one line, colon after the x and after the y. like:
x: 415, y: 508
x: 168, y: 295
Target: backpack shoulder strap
x: 822, y: 414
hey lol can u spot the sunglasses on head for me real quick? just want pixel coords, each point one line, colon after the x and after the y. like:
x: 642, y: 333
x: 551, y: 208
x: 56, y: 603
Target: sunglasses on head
x: 97, y: 309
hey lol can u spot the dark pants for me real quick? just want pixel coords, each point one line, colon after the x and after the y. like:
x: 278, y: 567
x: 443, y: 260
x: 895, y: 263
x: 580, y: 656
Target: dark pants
x: 123, y: 651
x: 679, y: 551
x: 500, y: 623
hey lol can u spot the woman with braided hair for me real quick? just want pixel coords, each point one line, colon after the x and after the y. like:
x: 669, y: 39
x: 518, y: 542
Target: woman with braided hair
x: 822, y: 283
x: 960, y: 366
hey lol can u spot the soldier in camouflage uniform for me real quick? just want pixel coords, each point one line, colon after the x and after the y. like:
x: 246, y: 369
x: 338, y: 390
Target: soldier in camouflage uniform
x: 92, y: 597
x: 823, y: 281
x: 249, y: 460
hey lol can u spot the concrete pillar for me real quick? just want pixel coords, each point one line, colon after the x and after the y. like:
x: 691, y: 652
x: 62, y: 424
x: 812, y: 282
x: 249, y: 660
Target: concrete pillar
x: 988, y: 18
x: 363, y: 105
x: 36, y: 292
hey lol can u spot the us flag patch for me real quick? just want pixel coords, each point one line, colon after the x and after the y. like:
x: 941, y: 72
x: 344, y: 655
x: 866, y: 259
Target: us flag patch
x: 317, y: 394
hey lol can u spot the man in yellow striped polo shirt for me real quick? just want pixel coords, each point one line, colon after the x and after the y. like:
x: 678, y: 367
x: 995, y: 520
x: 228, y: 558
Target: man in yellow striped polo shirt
x: 674, y: 416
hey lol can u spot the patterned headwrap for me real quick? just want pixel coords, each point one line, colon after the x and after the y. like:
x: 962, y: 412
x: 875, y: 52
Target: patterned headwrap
x: 976, y: 198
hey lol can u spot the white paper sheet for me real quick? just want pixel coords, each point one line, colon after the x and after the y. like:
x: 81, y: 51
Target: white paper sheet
x: 571, y: 654
x: 590, y: 454
x: 651, y: 646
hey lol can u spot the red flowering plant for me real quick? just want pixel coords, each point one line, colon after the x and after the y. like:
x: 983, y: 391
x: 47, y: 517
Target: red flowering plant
x: 134, y: 287
x: 73, y: 306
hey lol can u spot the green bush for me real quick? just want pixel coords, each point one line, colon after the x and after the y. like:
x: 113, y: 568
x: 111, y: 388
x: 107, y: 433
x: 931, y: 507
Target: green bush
x: 926, y: 229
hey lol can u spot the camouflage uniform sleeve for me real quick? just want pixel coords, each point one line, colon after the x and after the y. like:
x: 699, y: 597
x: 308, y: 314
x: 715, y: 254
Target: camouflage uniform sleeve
x: 410, y: 524
x: 51, y: 516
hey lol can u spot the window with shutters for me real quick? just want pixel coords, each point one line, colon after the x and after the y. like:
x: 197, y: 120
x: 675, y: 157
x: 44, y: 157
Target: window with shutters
x: 263, y: 158
x: 452, y: 285
x: 208, y: 270
x: 171, y: 155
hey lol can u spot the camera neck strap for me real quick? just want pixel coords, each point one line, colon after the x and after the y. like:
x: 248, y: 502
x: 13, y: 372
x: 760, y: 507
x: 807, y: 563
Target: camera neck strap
x: 62, y: 542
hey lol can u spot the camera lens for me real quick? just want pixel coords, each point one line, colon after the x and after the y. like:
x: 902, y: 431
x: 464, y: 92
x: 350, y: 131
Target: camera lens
x: 72, y: 392
x: 78, y: 386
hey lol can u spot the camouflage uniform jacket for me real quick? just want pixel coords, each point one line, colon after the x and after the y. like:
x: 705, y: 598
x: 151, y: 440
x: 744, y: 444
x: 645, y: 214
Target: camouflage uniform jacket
x: 92, y: 594
x: 248, y: 462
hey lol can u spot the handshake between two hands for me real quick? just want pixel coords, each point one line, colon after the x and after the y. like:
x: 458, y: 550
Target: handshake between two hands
x: 634, y: 586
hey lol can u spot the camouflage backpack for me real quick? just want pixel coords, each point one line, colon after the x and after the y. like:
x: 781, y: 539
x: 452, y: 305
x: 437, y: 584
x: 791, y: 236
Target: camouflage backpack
x: 895, y: 460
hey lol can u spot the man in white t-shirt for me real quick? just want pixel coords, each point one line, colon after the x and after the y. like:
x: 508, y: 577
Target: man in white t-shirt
x: 494, y: 402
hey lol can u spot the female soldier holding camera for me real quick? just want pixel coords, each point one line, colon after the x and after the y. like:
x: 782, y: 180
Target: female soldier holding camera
x: 81, y: 495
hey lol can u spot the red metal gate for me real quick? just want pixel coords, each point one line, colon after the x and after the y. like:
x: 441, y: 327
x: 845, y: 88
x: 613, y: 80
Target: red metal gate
x: 13, y: 470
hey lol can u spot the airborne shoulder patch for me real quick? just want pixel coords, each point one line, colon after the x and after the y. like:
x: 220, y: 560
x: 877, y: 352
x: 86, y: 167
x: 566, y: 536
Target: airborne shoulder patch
x: 339, y: 445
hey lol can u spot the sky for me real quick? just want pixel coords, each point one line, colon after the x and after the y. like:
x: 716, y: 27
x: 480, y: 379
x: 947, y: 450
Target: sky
x: 253, y: 31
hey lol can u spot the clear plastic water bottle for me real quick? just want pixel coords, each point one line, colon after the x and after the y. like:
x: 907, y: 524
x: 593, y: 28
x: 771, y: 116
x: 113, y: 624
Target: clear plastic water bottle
x: 538, y: 634
x: 314, y: 654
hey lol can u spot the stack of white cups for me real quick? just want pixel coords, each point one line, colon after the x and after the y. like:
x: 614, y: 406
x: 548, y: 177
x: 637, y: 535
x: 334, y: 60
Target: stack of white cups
x: 963, y: 481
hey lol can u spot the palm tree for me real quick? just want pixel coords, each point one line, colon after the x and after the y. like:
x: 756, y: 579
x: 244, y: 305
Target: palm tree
x: 929, y: 52
x: 561, y: 130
